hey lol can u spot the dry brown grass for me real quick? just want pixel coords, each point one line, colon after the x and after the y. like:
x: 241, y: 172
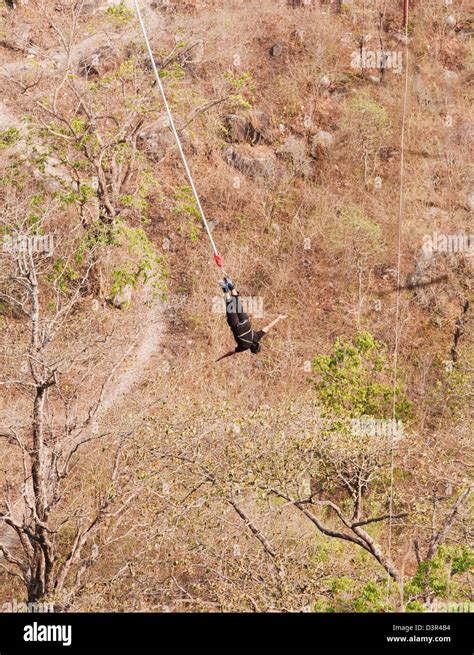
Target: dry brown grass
x: 329, y: 290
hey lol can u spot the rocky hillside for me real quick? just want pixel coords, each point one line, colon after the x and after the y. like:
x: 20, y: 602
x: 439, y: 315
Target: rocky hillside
x: 331, y: 149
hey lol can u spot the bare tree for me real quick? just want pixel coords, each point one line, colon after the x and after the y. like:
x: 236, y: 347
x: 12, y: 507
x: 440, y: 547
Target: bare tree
x: 288, y: 463
x: 36, y: 506
x: 97, y: 121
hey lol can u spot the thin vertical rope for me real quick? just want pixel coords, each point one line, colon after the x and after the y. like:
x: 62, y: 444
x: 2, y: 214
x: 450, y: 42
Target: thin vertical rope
x: 174, y: 130
x: 397, y: 307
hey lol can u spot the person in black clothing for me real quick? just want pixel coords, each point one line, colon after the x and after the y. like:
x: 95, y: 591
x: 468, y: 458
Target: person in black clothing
x: 245, y: 336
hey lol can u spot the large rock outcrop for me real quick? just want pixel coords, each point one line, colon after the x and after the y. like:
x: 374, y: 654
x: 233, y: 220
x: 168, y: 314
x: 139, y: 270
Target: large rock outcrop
x: 251, y: 126
x: 258, y: 166
x: 156, y: 139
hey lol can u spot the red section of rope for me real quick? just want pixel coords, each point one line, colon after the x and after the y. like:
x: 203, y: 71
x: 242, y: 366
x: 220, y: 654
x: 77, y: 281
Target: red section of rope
x: 218, y: 260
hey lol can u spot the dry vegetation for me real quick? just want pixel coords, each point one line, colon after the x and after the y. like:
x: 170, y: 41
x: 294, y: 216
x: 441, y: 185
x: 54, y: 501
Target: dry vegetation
x: 136, y: 473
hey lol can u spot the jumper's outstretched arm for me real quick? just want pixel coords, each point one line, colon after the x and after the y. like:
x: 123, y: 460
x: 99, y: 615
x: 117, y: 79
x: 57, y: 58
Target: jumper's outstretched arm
x: 271, y: 325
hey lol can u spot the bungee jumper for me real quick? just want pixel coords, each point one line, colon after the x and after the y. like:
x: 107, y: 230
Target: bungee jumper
x: 239, y: 322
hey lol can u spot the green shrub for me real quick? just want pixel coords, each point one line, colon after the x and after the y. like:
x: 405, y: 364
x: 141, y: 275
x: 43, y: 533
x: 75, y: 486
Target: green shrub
x: 435, y: 576
x: 120, y: 11
x: 355, y: 230
x: 186, y: 208
x: 144, y: 265
x: 9, y: 137
x: 356, y: 380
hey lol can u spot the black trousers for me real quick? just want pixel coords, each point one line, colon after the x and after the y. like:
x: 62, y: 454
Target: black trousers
x: 234, y: 312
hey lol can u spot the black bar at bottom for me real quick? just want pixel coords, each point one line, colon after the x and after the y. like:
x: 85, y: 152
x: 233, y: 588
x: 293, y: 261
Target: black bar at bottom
x: 236, y: 633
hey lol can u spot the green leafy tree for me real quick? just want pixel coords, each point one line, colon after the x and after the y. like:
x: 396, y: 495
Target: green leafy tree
x: 355, y: 379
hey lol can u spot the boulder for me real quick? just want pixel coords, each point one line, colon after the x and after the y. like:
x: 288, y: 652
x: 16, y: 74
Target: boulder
x: 8, y: 118
x: 52, y: 172
x: 250, y: 127
x: 123, y: 298
x: 450, y: 21
x: 298, y: 36
x: 321, y: 143
x: 99, y: 62
x: 192, y: 55
x: 91, y: 7
x: 276, y: 50
x: 237, y: 127
x: 325, y: 81
x: 450, y: 76
x: 156, y: 139
x: 293, y: 149
x: 259, y: 166
x: 19, y: 39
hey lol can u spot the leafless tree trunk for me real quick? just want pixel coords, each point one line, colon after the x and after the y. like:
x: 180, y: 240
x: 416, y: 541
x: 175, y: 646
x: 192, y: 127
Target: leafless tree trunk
x: 61, y: 424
